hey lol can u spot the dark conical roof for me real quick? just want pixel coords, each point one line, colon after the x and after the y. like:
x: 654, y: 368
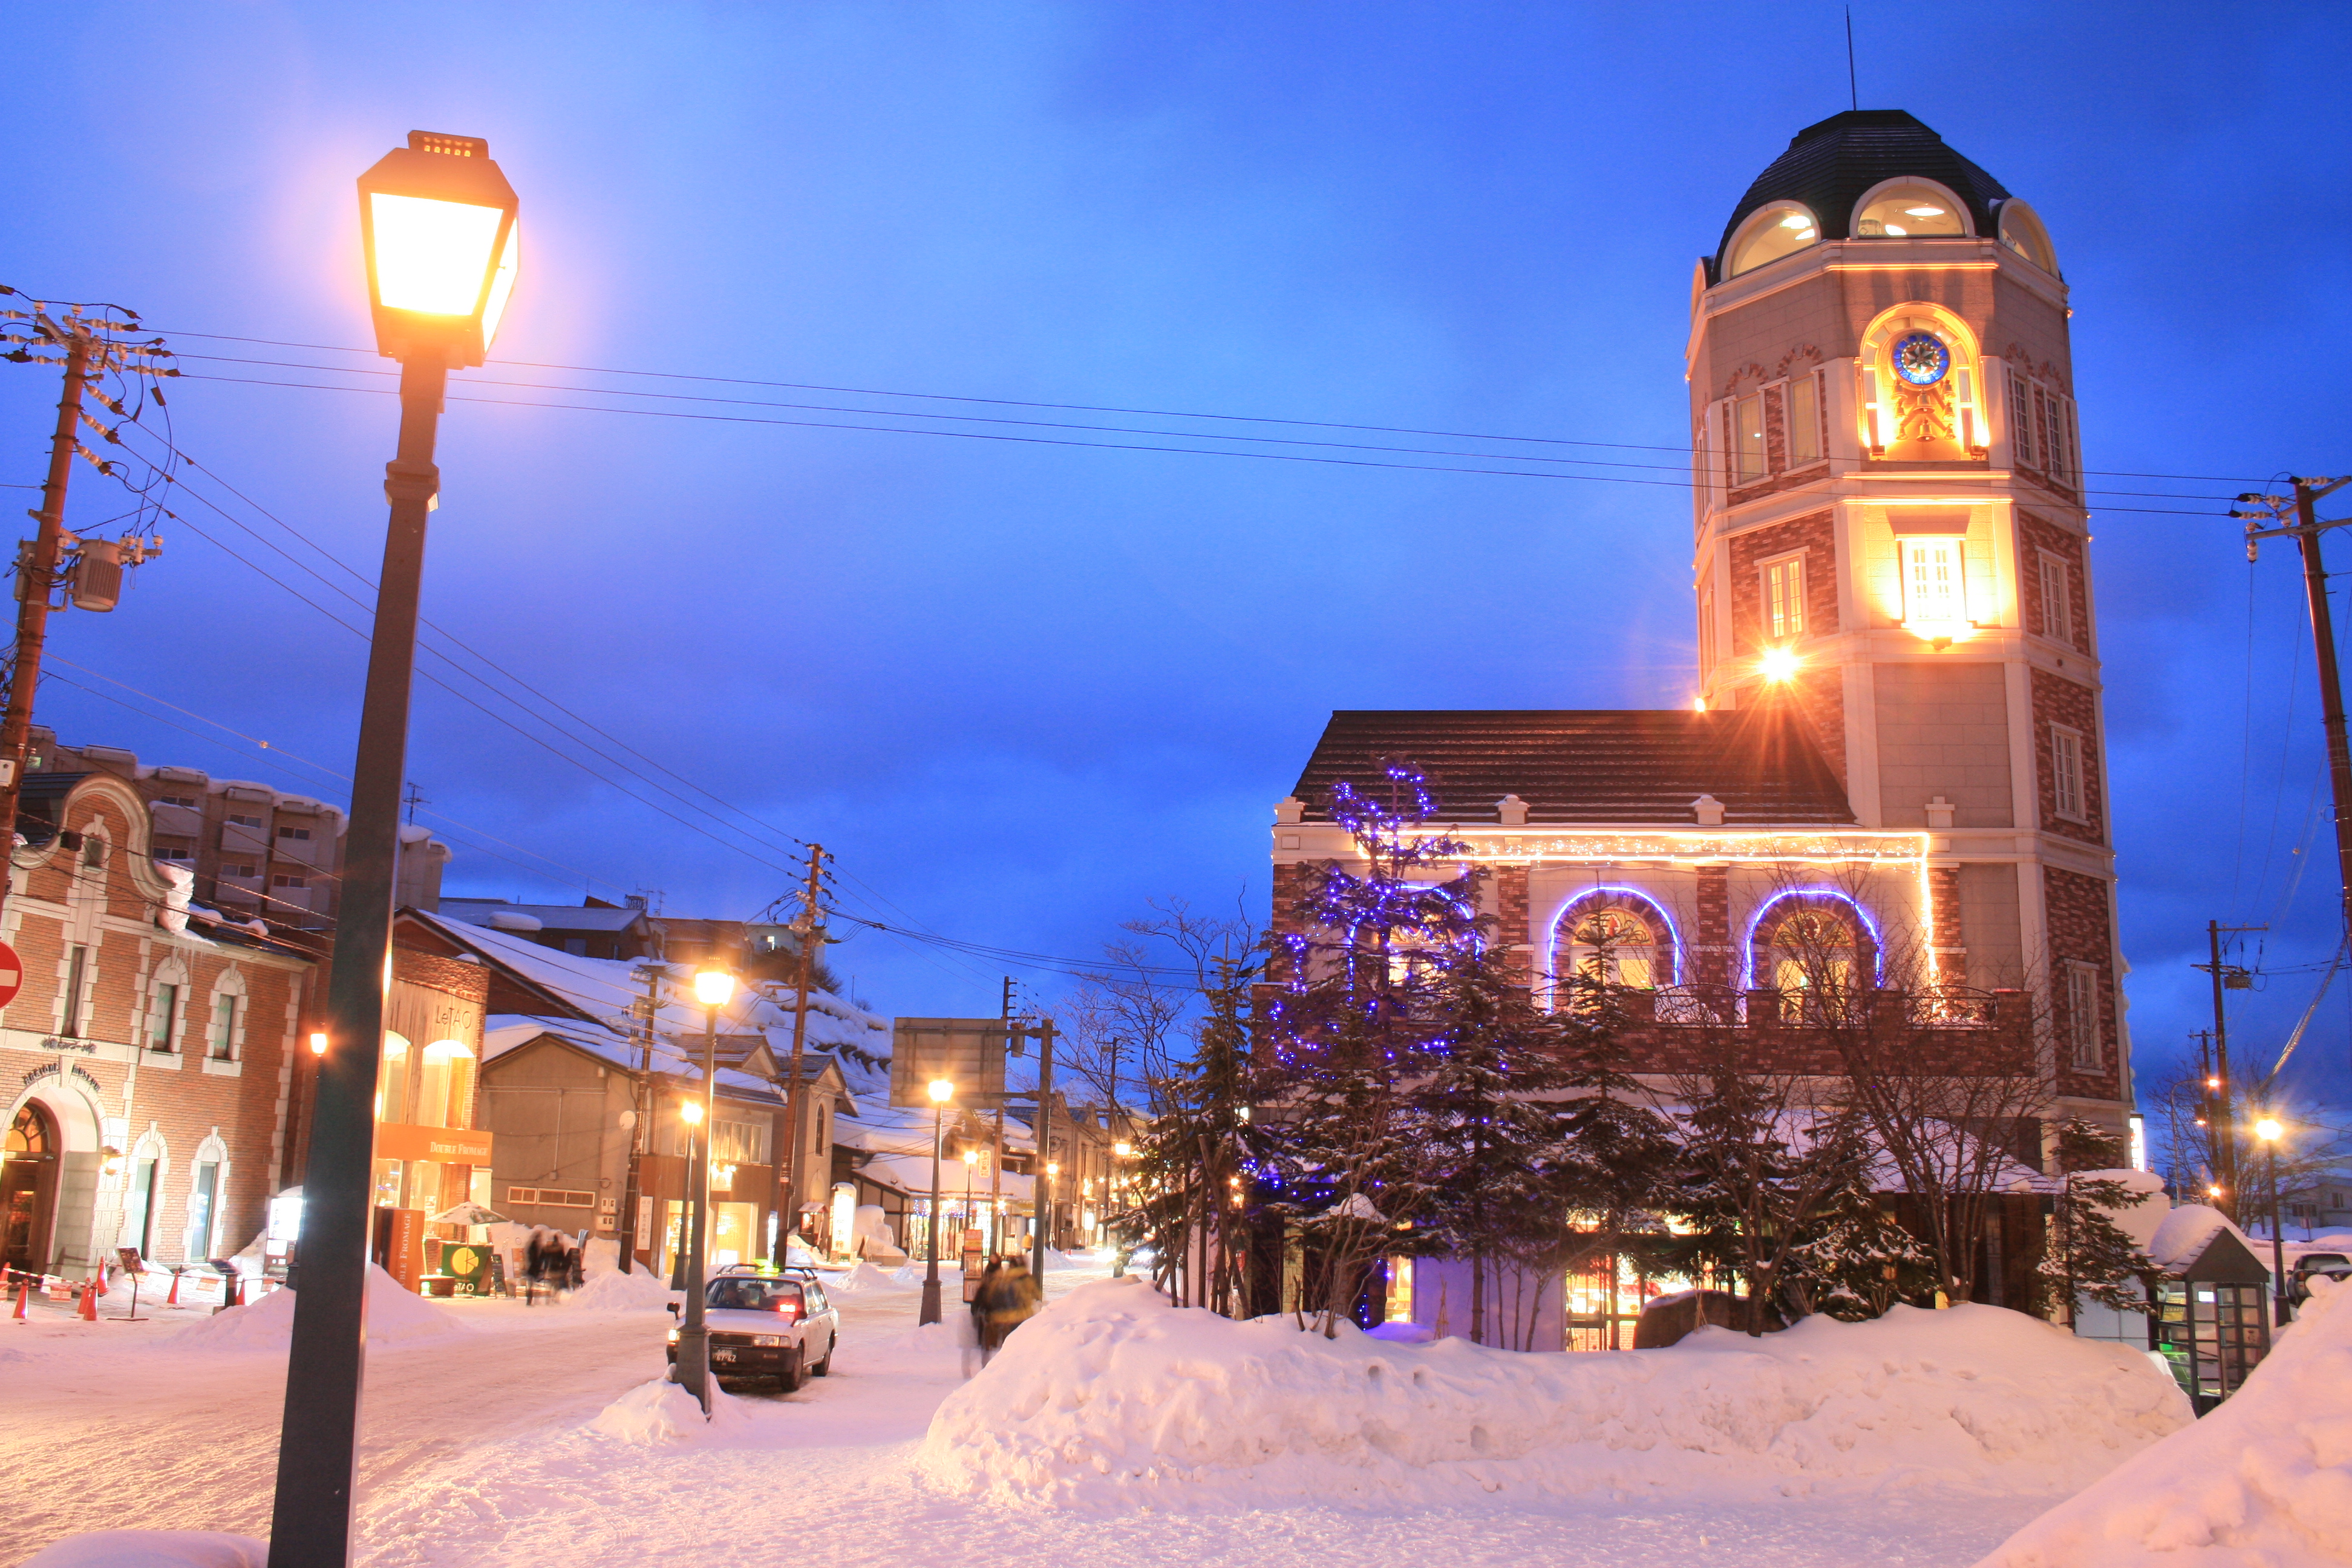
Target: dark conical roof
x: 1828, y: 165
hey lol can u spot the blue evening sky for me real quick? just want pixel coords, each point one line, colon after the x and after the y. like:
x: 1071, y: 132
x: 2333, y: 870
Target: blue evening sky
x: 1022, y: 688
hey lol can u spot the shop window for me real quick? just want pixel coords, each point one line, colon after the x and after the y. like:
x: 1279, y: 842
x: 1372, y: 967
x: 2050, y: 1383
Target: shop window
x: 1784, y: 598
x: 204, y: 1195
x: 2082, y: 1018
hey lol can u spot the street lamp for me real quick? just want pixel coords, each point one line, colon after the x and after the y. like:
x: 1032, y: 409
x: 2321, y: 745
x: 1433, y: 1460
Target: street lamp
x: 971, y: 1161
x: 437, y: 225
x: 2269, y: 1129
x: 942, y: 1091
x: 712, y: 988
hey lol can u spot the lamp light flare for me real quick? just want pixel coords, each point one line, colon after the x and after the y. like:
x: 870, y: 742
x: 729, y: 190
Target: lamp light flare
x: 318, y: 1043
x: 2269, y: 1129
x: 690, y: 1112
x: 714, y: 988
x: 430, y: 255
x: 942, y: 1090
x: 1777, y: 664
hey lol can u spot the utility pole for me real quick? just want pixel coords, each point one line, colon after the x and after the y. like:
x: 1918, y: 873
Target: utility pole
x: 996, y: 1157
x: 649, y: 1011
x: 35, y: 572
x: 1042, y: 1184
x: 2226, y: 977
x: 788, y: 1163
x: 2306, y: 530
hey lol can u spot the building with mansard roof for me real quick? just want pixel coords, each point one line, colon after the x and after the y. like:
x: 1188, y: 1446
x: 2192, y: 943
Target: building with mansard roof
x: 1898, y: 742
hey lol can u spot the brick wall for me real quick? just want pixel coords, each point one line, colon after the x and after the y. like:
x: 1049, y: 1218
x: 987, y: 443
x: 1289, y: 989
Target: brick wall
x: 1814, y: 534
x: 2033, y: 536
x: 1948, y: 938
x: 2080, y: 932
x: 2058, y: 701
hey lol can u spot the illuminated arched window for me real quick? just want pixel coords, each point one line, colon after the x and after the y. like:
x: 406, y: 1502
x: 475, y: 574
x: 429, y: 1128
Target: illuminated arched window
x: 1771, y: 233
x: 1815, y: 956
x: 2021, y: 231
x: 1613, y: 947
x: 1909, y: 209
x: 1922, y: 398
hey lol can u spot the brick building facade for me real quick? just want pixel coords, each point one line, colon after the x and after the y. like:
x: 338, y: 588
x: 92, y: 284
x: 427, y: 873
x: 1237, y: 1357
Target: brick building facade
x: 1896, y: 744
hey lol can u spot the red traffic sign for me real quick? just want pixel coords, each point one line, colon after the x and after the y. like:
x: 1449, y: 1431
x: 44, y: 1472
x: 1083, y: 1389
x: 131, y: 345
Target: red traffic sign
x: 12, y: 974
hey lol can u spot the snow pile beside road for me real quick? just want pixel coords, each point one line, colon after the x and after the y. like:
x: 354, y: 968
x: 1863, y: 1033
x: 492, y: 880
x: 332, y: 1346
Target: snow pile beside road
x: 662, y: 1412
x: 863, y: 1275
x: 2265, y: 1478
x: 152, y: 1549
x: 1113, y: 1398
x: 394, y: 1316
x: 636, y: 1291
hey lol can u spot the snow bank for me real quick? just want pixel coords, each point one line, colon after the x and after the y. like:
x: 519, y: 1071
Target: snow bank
x: 613, y: 1291
x: 152, y: 1549
x: 2265, y: 1478
x: 1112, y: 1398
x: 662, y: 1412
x: 394, y: 1316
x: 863, y: 1275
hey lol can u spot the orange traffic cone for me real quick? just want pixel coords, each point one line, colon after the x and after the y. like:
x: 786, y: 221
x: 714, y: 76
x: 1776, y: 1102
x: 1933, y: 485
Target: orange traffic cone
x: 101, y: 1278
x: 24, y: 1296
x: 89, y: 1303
x: 173, y: 1299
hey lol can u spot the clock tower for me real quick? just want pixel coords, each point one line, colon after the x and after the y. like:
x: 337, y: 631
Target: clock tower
x: 1890, y: 541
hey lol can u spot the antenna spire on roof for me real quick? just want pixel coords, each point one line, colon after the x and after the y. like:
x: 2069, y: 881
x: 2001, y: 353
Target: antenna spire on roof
x: 1852, y: 92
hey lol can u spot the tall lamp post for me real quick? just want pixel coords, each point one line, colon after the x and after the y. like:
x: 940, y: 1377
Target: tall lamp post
x: 942, y: 1091
x: 437, y: 224
x: 2270, y: 1131
x: 971, y: 1163
x: 712, y: 988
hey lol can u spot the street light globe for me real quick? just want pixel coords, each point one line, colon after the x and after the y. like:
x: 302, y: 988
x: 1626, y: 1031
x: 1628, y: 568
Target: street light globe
x: 437, y: 225
x: 942, y: 1090
x: 690, y: 1112
x: 2214, y: 1191
x: 971, y: 1156
x: 1052, y: 1167
x: 2268, y: 1130
x: 318, y: 1043
x: 1122, y: 1150
x: 714, y: 988
x: 1779, y: 664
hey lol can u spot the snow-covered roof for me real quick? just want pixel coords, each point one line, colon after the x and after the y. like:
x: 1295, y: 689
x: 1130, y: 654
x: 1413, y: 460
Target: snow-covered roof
x: 2187, y: 1232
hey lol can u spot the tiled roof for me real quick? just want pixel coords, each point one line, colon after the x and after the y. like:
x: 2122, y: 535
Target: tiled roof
x: 1584, y: 765
x: 1828, y: 165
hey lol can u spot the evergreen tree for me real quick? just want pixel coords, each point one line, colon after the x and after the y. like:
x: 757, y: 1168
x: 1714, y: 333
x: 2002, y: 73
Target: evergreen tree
x: 2086, y: 1253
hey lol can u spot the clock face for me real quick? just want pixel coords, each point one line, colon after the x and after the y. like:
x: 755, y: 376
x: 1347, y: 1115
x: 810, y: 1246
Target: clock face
x: 1921, y: 359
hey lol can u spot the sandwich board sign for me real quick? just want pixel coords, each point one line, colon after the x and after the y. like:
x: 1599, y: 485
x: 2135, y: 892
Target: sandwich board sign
x: 967, y: 1052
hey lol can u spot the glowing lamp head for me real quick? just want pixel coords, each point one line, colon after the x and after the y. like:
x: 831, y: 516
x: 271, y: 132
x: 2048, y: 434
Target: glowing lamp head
x: 1779, y: 664
x: 318, y: 1043
x: 2213, y: 1191
x: 2269, y: 1129
x: 1052, y: 1167
x: 714, y: 988
x: 1122, y: 1150
x: 971, y: 1156
x: 942, y: 1090
x: 690, y: 1112
x: 437, y: 223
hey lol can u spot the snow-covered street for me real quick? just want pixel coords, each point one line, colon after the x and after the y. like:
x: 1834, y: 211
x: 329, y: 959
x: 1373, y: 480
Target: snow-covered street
x: 479, y: 1448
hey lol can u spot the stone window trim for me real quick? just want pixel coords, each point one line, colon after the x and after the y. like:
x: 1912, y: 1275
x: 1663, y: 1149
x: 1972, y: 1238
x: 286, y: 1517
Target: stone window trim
x: 171, y: 971
x: 2054, y: 580
x: 212, y: 1152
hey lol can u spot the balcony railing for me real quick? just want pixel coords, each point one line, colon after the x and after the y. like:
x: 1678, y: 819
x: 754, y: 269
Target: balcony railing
x: 1941, y: 1007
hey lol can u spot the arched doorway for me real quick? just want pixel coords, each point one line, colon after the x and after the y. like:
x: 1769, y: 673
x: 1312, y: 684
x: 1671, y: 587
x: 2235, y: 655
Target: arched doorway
x: 29, y: 1189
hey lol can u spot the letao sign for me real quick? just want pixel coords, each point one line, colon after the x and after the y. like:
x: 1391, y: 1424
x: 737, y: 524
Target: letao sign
x: 449, y: 1145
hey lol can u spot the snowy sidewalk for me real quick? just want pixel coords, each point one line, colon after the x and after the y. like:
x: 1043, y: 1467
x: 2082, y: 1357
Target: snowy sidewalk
x: 477, y: 1449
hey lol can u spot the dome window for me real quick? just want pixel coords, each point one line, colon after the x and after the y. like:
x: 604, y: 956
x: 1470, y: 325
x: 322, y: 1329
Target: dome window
x: 1782, y: 230
x: 1908, y: 209
x: 2023, y: 232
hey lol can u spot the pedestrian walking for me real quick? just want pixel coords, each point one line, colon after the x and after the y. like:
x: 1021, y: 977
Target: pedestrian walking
x: 980, y: 1296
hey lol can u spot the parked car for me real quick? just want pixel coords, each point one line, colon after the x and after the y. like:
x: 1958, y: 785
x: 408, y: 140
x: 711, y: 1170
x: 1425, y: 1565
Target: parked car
x: 767, y: 1326
x: 2335, y: 1264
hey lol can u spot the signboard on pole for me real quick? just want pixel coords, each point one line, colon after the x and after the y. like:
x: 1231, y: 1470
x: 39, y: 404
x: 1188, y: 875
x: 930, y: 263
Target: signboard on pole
x: 967, y: 1052
x: 12, y: 974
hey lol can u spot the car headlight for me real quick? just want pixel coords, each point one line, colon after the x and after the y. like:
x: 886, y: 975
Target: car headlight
x: 673, y: 1336
x: 768, y: 1340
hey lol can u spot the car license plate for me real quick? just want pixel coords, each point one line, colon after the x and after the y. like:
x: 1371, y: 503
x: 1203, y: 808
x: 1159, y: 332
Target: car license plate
x: 723, y: 1356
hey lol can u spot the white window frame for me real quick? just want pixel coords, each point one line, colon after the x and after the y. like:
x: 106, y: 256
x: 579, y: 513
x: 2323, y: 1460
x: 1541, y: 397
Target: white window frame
x: 230, y: 986
x: 2057, y: 597
x: 2069, y: 786
x: 1947, y: 608
x: 2021, y: 422
x: 2083, y: 1052
x: 1783, y: 618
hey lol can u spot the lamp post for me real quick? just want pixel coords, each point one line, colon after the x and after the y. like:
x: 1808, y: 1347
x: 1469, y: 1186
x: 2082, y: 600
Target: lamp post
x: 712, y: 988
x: 942, y: 1091
x: 2268, y: 1130
x: 437, y: 224
x: 970, y: 1163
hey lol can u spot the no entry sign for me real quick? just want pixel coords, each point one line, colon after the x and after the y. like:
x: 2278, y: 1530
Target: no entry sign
x: 12, y: 974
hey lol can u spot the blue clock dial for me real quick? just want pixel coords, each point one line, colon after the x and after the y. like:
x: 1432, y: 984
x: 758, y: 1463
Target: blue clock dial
x: 1921, y: 359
